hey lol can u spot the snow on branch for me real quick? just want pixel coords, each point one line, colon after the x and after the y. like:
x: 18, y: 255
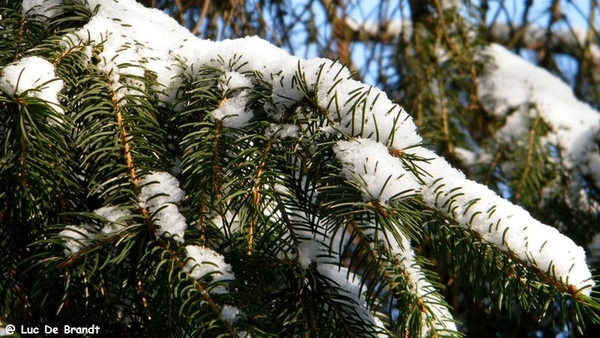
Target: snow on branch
x: 204, y: 262
x: 506, y: 226
x: 511, y: 87
x: 77, y: 237
x: 377, y: 138
x: 569, y: 41
x: 35, y: 77
x: 438, y: 318
x: 160, y: 190
x: 380, y: 175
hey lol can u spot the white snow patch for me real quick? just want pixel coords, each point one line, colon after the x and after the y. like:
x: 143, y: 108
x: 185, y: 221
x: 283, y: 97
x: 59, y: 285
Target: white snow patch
x: 76, y: 238
x: 160, y: 190
x: 507, y: 227
x: 114, y: 216
x: 380, y: 175
x: 234, y: 111
x: 233, y: 80
x: 308, y: 252
x: 230, y: 313
x: 348, y: 285
x: 516, y: 87
x: 438, y: 317
x: 203, y: 261
x: 34, y: 76
x: 282, y: 131
x: 41, y: 8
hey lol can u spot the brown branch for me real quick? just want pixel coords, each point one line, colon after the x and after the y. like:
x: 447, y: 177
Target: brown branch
x: 259, y: 172
x: 205, y: 7
x: 264, y: 22
x: 140, y: 291
x: 123, y: 136
x: 180, y: 12
x: 495, y: 161
x: 528, y: 164
x: 256, y: 197
x: 444, y: 111
x: 202, y: 220
x: 131, y: 168
x: 312, y: 321
x: 421, y: 82
x: 341, y: 34
x: 20, y: 37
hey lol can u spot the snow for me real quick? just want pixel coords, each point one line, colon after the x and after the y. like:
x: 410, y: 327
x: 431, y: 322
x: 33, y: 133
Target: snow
x: 131, y: 39
x: 282, y: 131
x: 228, y: 224
x: 514, y: 88
x: 364, y: 111
x: 126, y: 50
x: 159, y: 188
x: 159, y: 192
x: 466, y: 156
x: 203, y: 261
x: 170, y: 221
x: 75, y: 238
x: 34, y: 77
x: 234, y: 112
x: 114, y: 216
x: 44, y: 8
x: 379, y: 175
x: 229, y: 313
x: 349, y: 291
x: 562, y: 39
x: 507, y: 226
x: 230, y: 81
x: 319, y: 245
x: 391, y: 28
x: 309, y: 251
x: 439, y: 318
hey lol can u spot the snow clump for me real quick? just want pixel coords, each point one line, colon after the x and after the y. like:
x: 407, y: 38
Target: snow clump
x: 160, y: 190
x: 34, y: 76
x: 203, y: 261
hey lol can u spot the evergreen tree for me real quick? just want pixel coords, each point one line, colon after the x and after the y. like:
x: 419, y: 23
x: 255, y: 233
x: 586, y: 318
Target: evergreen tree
x: 156, y: 184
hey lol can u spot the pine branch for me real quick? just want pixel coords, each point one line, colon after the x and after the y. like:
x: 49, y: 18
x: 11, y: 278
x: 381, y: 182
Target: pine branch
x: 308, y: 206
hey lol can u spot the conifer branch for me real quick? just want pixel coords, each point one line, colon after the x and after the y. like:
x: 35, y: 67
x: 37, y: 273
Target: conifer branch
x: 179, y: 262
x: 217, y: 185
x: 20, y: 37
x: 256, y: 193
x: 125, y: 140
x: 238, y: 190
x: 494, y: 164
x: 545, y: 276
x: 528, y: 158
x: 445, y: 122
x: 72, y: 259
x: 125, y: 143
